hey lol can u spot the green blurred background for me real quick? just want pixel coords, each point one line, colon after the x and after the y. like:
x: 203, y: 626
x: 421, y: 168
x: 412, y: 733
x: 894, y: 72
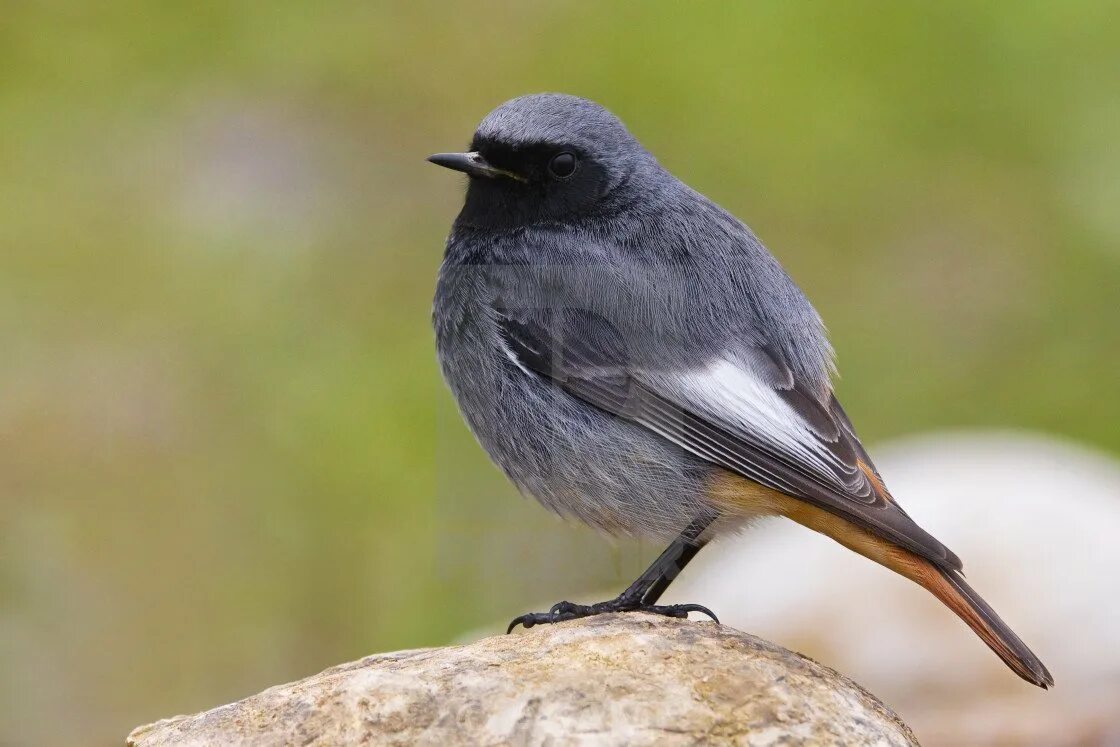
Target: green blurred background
x: 226, y: 458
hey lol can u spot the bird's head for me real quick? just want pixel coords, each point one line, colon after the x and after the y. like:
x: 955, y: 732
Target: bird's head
x: 545, y: 157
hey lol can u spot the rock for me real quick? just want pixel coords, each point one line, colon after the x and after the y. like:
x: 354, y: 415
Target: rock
x: 615, y: 679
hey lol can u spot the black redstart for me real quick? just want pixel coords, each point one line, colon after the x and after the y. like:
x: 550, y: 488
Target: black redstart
x: 632, y: 356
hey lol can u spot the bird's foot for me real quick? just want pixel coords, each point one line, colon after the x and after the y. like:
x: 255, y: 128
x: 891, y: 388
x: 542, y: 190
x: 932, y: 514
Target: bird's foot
x: 562, y: 611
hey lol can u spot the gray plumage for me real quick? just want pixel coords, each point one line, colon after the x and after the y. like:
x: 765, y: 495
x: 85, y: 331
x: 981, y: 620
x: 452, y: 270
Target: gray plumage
x: 654, y: 264
x: 624, y: 349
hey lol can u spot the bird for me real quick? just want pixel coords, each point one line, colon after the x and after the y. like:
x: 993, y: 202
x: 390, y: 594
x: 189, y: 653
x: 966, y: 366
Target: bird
x: 630, y: 355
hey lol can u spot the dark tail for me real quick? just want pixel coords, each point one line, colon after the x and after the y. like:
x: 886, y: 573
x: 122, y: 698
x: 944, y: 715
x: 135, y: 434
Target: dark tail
x: 958, y: 596
x: 943, y: 582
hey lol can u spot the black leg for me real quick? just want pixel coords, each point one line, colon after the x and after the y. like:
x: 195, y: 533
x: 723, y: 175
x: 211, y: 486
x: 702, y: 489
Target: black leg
x: 642, y: 595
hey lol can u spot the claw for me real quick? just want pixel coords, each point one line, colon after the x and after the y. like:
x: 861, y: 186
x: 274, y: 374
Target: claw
x: 682, y: 610
x: 528, y: 620
x: 563, y: 611
x: 559, y: 609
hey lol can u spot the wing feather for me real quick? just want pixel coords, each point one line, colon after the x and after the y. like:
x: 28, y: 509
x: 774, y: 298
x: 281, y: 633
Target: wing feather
x: 744, y: 412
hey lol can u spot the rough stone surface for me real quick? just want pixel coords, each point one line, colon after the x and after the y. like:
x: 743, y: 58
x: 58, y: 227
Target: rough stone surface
x: 615, y: 679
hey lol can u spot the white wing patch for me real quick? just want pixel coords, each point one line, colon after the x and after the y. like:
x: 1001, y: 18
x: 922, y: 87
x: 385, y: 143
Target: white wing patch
x: 731, y: 394
x: 513, y: 358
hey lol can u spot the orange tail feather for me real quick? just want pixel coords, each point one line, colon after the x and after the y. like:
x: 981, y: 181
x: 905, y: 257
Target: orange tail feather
x: 738, y: 495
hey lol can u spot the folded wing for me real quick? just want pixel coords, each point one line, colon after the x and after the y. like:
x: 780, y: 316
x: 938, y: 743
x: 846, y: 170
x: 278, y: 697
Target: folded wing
x: 741, y: 409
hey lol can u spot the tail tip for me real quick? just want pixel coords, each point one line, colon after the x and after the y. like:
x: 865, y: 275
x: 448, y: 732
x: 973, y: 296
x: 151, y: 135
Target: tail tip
x: 1036, y: 673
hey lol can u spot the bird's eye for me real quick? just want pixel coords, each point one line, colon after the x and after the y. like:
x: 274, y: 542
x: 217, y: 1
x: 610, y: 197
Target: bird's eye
x: 563, y: 165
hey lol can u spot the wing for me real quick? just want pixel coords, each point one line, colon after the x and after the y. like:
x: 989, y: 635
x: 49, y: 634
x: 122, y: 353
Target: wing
x: 744, y: 411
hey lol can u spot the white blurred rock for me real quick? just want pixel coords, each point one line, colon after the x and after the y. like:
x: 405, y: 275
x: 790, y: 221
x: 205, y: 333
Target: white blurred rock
x: 1037, y: 523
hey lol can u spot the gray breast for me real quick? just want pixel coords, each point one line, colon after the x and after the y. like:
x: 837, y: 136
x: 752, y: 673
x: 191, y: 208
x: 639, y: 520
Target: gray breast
x: 575, y: 459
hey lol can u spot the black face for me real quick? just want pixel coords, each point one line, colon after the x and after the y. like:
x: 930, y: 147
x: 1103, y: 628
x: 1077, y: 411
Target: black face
x: 549, y: 182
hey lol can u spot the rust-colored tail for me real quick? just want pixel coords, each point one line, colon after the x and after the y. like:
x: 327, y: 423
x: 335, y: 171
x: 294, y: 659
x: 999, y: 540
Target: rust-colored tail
x: 949, y: 587
x: 958, y: 596
x: 945, y: 584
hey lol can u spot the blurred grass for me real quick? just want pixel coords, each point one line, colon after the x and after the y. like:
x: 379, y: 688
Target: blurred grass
x: 226, y: 459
